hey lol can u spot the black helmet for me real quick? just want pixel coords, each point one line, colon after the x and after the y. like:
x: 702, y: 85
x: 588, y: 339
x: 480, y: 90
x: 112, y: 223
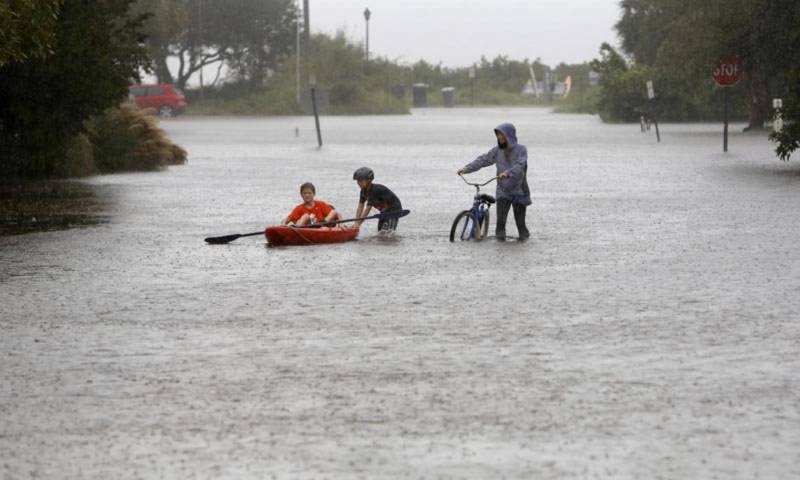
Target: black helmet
x: 364, y: 173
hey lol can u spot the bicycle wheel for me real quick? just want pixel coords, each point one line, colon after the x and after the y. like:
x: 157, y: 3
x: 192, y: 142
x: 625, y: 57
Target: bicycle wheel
x: 463, y: 228
x: 484, y: 230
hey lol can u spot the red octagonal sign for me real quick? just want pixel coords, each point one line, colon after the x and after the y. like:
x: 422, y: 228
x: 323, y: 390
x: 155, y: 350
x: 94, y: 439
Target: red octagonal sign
x: 727, y: 71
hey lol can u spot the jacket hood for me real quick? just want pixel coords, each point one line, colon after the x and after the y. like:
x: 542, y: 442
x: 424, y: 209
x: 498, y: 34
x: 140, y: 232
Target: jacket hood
x: 508, y: 130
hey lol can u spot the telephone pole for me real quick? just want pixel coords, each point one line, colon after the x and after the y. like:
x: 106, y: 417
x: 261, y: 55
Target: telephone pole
x: 307, y: 26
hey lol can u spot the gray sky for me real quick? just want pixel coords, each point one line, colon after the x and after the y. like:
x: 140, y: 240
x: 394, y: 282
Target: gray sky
x: 458, y: 32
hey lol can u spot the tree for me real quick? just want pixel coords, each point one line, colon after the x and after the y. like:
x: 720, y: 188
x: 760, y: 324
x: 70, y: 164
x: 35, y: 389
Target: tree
x: 26, y: 29
x: 769, y: 46
x: 506, y: 74
x: 683, y: 39
x: 249, y: 37
x: 44, y: 102
x: 788, y: 139
x: 643, y: 27
x: 622, y: 97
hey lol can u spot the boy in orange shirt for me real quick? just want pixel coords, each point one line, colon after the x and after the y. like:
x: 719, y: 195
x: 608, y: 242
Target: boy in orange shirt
x: 311, y: 210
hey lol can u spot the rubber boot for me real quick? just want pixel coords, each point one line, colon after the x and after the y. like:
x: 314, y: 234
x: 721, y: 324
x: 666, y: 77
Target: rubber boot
x: 502, y: 214
x: 519, y: 219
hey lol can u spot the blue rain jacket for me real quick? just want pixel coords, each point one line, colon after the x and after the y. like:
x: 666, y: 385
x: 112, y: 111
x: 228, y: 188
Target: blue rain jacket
x: 514, y: 160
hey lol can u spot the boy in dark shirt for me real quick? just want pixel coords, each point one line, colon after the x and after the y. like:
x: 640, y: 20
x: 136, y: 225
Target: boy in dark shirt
x: 375, y: 195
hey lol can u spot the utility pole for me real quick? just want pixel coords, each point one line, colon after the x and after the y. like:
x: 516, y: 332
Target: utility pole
x: 307, y: 26
x: 297, y: 52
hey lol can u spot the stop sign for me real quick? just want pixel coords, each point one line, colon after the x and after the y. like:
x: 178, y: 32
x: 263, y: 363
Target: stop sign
x: 727, y: 71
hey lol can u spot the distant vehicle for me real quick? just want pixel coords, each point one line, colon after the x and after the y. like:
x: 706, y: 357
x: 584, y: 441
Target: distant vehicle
x: 165, y: 99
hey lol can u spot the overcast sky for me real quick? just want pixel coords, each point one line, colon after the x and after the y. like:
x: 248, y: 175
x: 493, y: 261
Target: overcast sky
x: 458, y: 32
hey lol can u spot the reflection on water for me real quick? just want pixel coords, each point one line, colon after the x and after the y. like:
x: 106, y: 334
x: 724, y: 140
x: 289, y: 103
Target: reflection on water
x: 49, y: 205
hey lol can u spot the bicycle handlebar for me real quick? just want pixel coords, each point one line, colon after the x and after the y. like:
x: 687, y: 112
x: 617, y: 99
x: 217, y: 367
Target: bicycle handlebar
x: 478, y: 184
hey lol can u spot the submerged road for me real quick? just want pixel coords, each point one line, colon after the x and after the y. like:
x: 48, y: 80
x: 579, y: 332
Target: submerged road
x: 650, y: 327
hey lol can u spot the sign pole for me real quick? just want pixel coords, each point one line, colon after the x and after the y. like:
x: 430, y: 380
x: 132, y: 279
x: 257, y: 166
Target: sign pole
x: 725, y: 134
x: 658, y: 135
x: 312, y: 80
x: 777, y: 124
x: 651, y: 94
x: 316, y: 115
x: 726, y: 73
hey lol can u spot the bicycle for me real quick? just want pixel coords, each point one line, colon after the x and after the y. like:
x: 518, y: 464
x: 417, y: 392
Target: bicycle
x: 473, y: 224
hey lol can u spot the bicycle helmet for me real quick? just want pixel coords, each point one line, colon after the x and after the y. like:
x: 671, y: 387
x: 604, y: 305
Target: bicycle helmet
x: 364, y: 173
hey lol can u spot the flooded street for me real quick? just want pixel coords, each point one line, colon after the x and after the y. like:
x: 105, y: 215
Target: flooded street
x: 648, y: 329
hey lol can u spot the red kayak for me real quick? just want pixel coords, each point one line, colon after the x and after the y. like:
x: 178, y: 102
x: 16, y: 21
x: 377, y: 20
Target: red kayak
x: 280, y: 236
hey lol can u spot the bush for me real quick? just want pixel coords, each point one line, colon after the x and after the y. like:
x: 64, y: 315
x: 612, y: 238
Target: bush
x: 125, y: 138
x: 343, y: 94
x: 78, y: 158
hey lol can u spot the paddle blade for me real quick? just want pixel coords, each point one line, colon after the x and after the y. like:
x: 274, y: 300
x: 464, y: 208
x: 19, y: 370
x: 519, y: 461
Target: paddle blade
x: 222, y: 239
x: 230, y: 238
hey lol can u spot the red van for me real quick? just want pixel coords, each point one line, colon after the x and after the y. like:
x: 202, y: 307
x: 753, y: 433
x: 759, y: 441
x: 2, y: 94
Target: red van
x: 165, y: 98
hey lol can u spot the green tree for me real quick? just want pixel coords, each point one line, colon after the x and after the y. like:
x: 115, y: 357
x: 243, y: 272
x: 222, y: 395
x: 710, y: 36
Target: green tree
x: 788, y: 139
x: 683, y: 39
x: 622, y: 97
x: 755, y: 30
x: 44, y: 102
x: 27, y: 28
x: 694, y: 34
x: 248, y: 37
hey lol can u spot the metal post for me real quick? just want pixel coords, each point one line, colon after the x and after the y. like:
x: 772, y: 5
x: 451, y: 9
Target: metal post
x: 725, y: 132
x: 313, y: 83
x: 651, y: 94
x: 777, y: 124
x: 658, y: 135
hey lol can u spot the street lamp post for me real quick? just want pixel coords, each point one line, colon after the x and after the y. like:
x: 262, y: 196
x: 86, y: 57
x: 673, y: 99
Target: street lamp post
x: 367, y: 14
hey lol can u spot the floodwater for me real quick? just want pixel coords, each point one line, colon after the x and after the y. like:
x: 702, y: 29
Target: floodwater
x: 650, y: 328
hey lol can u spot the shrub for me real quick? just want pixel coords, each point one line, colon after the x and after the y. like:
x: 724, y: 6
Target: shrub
x: 78, y: 158
x: 125, y: 138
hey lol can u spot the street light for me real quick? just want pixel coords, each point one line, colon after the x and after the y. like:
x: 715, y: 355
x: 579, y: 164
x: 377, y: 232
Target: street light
x: 367, y: 14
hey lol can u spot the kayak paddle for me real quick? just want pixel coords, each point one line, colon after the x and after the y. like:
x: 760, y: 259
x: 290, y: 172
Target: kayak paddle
x: 383, y: 215
x: 230, y: 238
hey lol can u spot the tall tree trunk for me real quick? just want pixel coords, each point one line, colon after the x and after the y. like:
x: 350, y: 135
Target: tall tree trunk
x: 163, y: 75
x: 758, y: 100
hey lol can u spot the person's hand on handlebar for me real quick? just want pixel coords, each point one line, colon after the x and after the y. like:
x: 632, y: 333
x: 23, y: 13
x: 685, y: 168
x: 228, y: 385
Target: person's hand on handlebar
x: 504, y: 174
x: 460, y: 171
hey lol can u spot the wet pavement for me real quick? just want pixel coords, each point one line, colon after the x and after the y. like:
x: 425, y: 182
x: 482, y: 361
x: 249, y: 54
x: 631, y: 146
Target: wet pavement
x: 648, y: 329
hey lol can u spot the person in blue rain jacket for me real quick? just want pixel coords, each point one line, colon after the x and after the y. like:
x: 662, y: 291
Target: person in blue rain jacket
x: 511, y: 161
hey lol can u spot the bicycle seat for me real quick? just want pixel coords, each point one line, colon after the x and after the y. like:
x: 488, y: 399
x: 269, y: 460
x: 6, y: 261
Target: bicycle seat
x: 485, y: 197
